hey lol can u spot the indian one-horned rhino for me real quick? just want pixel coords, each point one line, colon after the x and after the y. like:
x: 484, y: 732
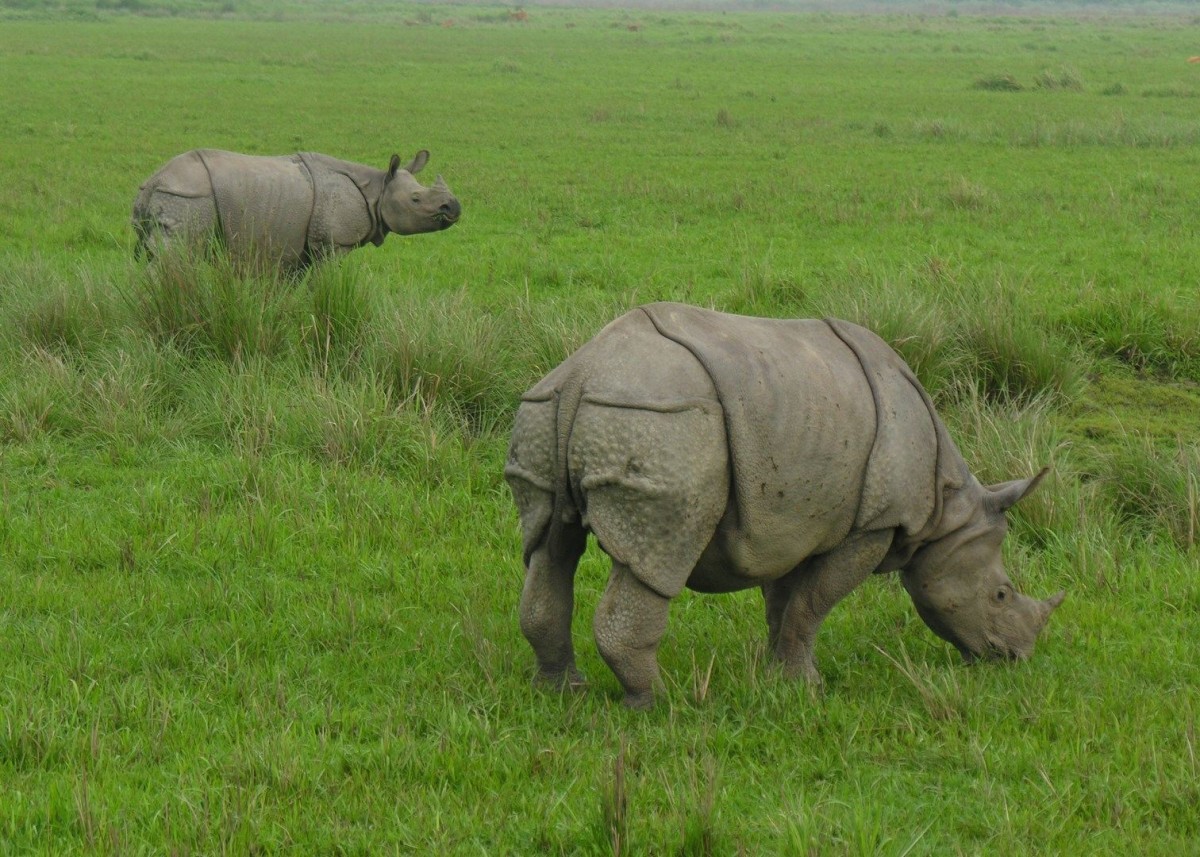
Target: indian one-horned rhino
x: 721, y: 452
x: 286, y: 211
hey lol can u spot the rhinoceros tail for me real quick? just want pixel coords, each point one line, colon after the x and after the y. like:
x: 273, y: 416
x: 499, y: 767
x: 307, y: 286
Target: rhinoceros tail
x: 143, y: 221
x: 141, y: 225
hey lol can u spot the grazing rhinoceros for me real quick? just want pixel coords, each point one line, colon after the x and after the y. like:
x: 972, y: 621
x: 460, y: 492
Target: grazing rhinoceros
x: 290, y: 210
x: 721, y: 452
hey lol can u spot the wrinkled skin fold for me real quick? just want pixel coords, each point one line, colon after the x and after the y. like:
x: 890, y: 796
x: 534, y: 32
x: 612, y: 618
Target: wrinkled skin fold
x: 721, y: 452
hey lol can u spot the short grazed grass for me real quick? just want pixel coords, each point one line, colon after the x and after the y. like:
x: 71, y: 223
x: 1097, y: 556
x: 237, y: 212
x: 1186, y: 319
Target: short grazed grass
x: 259, y: 565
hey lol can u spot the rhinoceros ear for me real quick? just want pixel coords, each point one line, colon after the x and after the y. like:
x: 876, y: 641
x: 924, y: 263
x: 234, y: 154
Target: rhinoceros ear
x: 1007, y: 494
x: 393, y: 165
x: 418, y: 162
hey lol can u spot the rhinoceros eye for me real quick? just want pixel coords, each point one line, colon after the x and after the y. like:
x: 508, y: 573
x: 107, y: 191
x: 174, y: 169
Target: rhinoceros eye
x: 1001, y: 594
x: 416, y: 197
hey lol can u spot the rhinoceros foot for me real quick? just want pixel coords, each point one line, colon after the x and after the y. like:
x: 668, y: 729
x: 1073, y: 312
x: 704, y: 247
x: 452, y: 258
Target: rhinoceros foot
x: 639, y: 701
x: 801, y: 670
x: 560, y: 680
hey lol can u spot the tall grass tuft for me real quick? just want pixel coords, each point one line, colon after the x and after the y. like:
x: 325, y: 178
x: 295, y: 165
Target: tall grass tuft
x: 1155, y: 486
x: 1063, y: 79
x: 446, y: 352
x: 40, y: 399
x: 966, y: 195
x: 998, y: 83
x: 204, y: 304
x: 614, y: 808
x: 361, y: 424
x: 959, y: 337
x: 700, y: 832
x: 61, y: 322
x: 761, y: 289
x: 239, y: 406
x: 547, y: 331
x: 59, y: 313
x: 340, y: 316
x: 1011, y: 354
x: 1151, y: 333
x: 126, y: 397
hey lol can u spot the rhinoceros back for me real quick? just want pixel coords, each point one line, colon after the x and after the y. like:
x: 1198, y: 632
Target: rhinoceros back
x: 264, y: 204
x: 800, y: 422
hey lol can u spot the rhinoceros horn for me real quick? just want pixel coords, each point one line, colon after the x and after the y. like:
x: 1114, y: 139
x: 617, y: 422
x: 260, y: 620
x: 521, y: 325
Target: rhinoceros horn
x: 1048, y: 606
x: 1037, y: 613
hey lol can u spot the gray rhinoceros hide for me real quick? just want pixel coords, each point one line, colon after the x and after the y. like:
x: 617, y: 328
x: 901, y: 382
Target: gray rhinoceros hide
x: 286, y: 211
x: 720, y: 452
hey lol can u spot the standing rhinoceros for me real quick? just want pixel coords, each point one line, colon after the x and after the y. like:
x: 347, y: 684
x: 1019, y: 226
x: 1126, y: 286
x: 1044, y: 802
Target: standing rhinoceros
x: 290, y: 210
x: 721, y: 452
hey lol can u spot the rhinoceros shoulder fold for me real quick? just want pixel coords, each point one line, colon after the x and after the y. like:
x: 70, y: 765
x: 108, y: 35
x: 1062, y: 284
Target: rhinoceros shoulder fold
x: 913, y: 460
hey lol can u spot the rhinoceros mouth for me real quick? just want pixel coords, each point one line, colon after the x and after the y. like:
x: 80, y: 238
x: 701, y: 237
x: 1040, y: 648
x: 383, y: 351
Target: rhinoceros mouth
x: 994, y: 654
x: 994, y: 649
x: 990, y: 649
x: 990, y: 655
x: 448, y: 213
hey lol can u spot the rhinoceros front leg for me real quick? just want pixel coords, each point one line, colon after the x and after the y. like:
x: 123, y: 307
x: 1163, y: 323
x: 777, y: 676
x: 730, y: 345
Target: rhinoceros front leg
x: 547, y: 602
x: 630, y: 621
x: 798, y: 602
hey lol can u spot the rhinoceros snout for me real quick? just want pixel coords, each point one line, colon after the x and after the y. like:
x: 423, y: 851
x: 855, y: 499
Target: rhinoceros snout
x: 1016, y: 641
x: 449, y: 212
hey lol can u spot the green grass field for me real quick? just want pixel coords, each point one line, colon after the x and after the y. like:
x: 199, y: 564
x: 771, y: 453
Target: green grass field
x: 260, y: 569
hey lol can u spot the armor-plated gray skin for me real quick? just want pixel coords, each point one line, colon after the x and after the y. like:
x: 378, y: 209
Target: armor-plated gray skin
x: 286, y: 211
x: 721, y: 452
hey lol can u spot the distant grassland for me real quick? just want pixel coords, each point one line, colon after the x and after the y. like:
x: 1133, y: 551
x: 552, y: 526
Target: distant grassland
x: 258, y: 563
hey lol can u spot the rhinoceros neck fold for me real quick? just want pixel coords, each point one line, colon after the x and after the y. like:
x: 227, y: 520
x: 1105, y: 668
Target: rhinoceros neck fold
x: 367, y: 181
x: 379, y: 227
x: 912, y: 458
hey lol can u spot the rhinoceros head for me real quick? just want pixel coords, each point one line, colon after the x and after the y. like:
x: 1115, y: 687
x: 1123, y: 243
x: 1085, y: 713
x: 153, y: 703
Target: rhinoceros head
x: 961, y: 590
x: 408, y: 207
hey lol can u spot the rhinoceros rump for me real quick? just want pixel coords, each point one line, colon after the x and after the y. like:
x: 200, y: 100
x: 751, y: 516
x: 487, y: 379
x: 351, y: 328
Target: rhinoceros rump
x: 721, y: 452
x: 286, y: 211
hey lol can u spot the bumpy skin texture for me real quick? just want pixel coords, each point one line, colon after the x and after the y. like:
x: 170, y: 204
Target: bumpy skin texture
x: 721, y: 452
x: 286, y: 211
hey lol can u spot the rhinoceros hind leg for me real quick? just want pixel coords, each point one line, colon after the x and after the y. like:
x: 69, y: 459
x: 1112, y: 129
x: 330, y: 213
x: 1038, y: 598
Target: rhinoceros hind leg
x: 547, y: 603
x: 798, y: 602
x: 630, y: 620
x: 162, y: 219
